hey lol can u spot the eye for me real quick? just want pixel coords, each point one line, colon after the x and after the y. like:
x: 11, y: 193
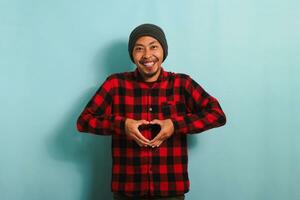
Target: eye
x: 154, y: 47
x: 138, y: 49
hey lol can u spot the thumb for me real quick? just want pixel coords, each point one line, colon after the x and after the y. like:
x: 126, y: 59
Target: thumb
x: 140, y: 122
x: 156, y: 121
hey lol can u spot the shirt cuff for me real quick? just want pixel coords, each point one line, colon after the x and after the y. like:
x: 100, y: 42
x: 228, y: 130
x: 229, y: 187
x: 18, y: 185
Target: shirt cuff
x: 119, y: 125
x: 180, y: 126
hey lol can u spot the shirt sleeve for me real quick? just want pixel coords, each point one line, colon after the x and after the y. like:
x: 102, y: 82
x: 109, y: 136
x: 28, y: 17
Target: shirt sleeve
x: 205, y: 111
x: 97, y: 116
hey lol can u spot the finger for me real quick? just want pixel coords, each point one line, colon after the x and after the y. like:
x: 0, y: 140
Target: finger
x: 156, y: 121
x: 141, y: 137
x: 157, y: 138
x: 140, y: 122
x: 139, y: 142
x: 157, y: 143
x: 135, y: 134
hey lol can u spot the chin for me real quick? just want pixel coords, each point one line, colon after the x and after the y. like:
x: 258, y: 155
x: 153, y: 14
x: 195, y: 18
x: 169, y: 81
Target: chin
x: 153, y: 74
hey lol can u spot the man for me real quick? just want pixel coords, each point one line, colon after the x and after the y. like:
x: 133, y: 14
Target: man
x: 148, y: 113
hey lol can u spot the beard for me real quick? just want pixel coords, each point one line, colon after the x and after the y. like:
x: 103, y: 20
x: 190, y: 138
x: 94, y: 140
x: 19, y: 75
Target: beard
x: 144, y: 70
x: 149, y: 75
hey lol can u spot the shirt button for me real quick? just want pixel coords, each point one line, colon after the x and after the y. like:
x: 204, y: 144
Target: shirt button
x: 150, y: 109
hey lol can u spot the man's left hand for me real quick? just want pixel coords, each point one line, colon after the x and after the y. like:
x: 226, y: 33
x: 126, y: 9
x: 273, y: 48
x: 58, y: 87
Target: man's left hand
x: 166, y: 131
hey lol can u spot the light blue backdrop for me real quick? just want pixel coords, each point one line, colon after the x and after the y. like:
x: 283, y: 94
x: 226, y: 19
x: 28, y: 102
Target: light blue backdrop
x: 55, y: 54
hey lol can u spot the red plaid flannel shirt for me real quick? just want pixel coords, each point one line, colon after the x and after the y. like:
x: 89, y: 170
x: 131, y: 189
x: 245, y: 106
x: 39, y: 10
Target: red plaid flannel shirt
x: 146, y: 171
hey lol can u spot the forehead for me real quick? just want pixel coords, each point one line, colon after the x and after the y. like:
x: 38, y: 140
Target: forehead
x: 145, y: 40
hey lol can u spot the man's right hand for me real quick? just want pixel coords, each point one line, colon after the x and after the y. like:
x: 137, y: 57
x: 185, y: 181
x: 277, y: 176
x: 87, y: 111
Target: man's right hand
x: 132, y: 131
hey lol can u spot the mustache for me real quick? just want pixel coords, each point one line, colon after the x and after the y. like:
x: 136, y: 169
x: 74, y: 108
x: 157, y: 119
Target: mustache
x: 151, y: 59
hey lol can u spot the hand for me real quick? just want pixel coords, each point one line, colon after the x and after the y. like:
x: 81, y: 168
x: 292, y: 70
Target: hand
x: 132, y: 131
x: 166, y: 131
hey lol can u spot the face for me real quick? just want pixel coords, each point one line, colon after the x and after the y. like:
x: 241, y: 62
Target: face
x: 148, y: 56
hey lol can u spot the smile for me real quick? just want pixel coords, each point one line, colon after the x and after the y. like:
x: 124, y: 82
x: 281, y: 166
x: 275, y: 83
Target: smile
x: 148, y: 64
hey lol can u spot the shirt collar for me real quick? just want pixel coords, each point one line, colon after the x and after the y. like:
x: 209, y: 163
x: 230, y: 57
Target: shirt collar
x: 162, y: 76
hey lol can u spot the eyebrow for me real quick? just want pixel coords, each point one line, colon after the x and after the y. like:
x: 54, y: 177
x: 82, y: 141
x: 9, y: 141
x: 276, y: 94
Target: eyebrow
x: 148, y: 44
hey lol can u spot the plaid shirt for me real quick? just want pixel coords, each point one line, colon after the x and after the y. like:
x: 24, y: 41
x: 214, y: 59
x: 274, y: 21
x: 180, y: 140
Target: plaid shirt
x: 146, y: 171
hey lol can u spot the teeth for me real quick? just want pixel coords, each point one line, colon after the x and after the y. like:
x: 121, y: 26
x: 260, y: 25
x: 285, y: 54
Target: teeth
x: 149, y: 64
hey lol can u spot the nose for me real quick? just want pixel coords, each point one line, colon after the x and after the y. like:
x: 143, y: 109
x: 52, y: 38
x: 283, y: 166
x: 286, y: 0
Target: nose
x: 147, y: 53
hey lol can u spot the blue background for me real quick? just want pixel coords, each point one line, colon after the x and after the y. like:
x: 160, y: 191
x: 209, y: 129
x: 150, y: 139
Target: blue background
x: 55, y: 54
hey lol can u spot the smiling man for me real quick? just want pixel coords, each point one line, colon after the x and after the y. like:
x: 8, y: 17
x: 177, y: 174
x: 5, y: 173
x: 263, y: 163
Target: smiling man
x: 149, y: 112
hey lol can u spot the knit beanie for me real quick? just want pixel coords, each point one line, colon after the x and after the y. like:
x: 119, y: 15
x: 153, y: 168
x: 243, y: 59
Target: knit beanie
x: 148, y: 30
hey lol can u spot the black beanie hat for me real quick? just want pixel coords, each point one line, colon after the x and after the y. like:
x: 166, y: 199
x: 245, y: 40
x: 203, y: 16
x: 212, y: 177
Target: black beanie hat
x: 147, y: 30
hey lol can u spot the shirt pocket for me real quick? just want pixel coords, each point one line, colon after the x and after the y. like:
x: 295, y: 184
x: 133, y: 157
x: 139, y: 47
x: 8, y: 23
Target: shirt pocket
x: 173, y: 108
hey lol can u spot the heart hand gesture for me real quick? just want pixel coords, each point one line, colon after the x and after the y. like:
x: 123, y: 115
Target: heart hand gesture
x: 132, y: 131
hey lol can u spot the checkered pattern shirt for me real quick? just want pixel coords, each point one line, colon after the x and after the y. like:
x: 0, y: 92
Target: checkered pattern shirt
x: 146, y: 171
